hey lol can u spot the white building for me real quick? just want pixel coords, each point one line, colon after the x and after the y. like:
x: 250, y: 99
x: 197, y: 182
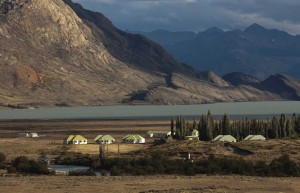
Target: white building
x: 159, y: 134
x: 75, y: 139
x: 133, y: 139
x: 104, y: 139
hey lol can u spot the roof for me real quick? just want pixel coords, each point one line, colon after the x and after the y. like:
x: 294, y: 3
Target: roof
x: 74, y: 137
x: 138, y: 137
x: 129, y: 137
x: 133, y: 137
x: 217, y: 138
x: 78, y: 137
x: 104, y: 138
x: 70, y: 137
x: 224, y: 138
x: 98, y: 137
x: 255, y: 137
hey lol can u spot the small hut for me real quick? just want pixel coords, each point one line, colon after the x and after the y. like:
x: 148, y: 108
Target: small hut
x: 133, y: 139
x: 159, y: 134
x: 194, y: 136
x: 104, y: 139
x: 75, y: 139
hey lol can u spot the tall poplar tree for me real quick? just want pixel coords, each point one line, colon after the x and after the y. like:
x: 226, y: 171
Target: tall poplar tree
x: 226, y: 125
x: 209, y: 126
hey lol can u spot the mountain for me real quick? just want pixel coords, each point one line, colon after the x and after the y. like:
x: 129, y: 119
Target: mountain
x: 168, y: 39
x: 56, y: 53
x: 239, y: 78
x: 256, y: 50
x: 284, y: 85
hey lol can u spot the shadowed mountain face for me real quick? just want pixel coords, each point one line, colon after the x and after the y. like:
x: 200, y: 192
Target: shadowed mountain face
x: 284, y: 85
x: 256, y: 51
x: 55, y: 53
x: 239, y: 78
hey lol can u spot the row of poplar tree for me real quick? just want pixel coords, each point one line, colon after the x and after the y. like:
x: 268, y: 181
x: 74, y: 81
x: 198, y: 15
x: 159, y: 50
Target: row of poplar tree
x: 281, y: 127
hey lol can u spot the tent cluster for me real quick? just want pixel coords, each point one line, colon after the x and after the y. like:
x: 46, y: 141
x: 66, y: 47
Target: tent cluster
x: 229, y: 138
x: 103, y: 139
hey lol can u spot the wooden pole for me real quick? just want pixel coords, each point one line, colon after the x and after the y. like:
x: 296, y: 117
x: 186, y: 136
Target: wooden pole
x: 118, y: 150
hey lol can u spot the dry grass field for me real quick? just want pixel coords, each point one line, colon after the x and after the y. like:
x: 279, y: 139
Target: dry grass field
x: 147, y: 184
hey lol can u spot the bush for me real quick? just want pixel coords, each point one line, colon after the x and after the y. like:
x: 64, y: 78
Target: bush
x: 11, y: 170
x: 283, y: 166
x: 24, y: 165
x: 2, y: 157
x: 3, y: 165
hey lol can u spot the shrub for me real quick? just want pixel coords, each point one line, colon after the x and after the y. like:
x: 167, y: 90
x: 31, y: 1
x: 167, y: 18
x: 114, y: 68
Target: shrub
x: 24, y: 165
x: 283, y: 166
x: 11, y: 170
x: 2, y: 165
x: 2, y: 157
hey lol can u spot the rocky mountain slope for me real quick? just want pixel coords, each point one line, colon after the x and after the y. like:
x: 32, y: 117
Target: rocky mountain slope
x: 56, y: 53
x: 256, y: 50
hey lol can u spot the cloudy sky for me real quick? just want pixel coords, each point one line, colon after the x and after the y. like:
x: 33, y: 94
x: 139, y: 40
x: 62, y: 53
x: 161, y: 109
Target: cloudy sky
x: 197, y: 15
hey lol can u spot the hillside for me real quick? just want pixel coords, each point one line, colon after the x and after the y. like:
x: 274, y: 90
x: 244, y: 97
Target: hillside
x: 239, y: 78
x: 56, y: 53
x: 256, y: 50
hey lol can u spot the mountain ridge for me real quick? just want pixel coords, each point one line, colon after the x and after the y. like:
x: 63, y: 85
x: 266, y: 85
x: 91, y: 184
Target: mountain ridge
x: 256, y: 50
x: 56, y: 53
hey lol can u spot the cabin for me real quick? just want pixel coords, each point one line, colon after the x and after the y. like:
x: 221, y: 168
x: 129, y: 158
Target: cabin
x: 104, y: 139
x: 159, y: 134
x: 224, y: 138
x: 194, y: 136
x: 133, y: 139
x: 255, y: 138
x: 75, y: 139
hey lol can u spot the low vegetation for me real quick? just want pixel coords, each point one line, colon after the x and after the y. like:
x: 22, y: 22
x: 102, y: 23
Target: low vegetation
x: 2, y: 161
x: 159, y: 163
x: 24, y: 165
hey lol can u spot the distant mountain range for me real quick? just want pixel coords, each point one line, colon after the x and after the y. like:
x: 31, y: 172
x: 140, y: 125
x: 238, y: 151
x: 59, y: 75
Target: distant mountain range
x: 56, y: 53
x: 256, y: 50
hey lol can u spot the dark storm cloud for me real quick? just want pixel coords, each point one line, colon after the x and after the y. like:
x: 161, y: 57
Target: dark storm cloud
x: 195, y: 15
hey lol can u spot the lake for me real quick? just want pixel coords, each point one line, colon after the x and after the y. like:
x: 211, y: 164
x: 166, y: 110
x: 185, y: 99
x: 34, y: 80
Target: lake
x: 150, y: 112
